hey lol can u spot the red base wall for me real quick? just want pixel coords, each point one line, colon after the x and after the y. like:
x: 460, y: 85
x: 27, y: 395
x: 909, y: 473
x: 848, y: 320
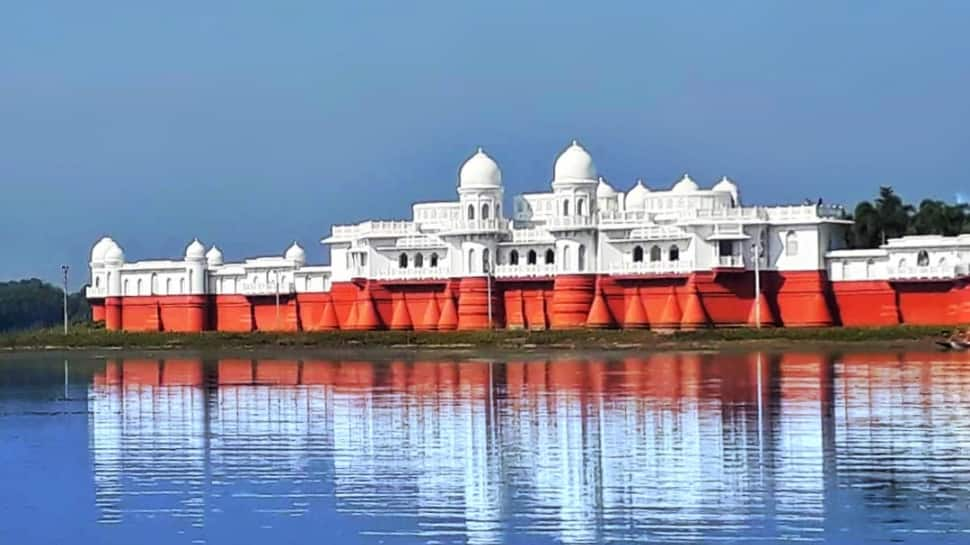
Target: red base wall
x: 716, y: 299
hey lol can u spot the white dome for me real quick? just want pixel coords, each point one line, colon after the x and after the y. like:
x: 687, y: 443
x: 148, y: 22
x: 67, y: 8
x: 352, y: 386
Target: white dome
x: 99, y: 249
x: 114, y: 253
x: 685, y: 185
x: 480, y: 171
x: 575, y: 163
x: 295, y: 253
x: 604, y: 190
x: 214, y: 257
x: 635, y: 197
x: 195, y: 250
x: 725, y: 185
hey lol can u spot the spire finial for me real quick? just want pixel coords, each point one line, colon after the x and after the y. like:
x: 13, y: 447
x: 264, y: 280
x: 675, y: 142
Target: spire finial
x: 575, y: 142
x: 481, y: 149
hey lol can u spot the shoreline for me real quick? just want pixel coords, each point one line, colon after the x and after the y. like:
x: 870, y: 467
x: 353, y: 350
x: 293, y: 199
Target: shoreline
x: 83, y: 338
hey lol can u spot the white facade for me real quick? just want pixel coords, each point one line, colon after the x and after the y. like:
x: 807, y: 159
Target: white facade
x: 922, y: 257
x: 583, y: 225
x: 202, y: 272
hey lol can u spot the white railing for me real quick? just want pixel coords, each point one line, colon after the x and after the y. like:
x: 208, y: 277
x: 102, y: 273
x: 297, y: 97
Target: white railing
x: 617, y: 217
x: 418, y: 242
x: 730, y: 261
x: 96, y: 292
x: 570, y: 222
x: 401, y: 227
x: 520, y: 270
x: 917, y: 273
x: 748, y: 213
x: 491, y: 224
x: 532, y: 235
x: 658, y: 232
x: 804, y: 212
x: 261, y: 287
x: 651, y: 267
x: 412, y: 273
x: 728, y: 229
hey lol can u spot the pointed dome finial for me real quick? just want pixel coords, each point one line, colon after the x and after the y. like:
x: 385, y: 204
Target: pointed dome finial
x: 575, y: 142
x: 481, y: 149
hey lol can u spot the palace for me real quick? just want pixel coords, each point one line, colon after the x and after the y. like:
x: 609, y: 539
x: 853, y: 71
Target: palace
x: 580, y: 255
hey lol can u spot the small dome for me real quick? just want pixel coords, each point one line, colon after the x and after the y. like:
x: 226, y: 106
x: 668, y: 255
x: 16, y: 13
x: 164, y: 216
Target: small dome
x: 214, y: 257
x: 574, y: 164
x: 195, y: 250
x: 685, y: 185
x: 480, y: 171
x: 635, y: 197
x: 725, y: 185
x: 114, y: 253
x: 296, y: 254
x: 97, y: 252
x: 604, y: 190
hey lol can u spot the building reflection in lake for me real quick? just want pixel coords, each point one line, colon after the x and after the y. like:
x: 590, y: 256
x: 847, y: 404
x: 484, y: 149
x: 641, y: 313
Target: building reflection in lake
x: 680, y: 447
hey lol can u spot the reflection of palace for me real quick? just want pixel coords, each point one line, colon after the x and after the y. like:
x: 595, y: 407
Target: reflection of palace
x: 580, y: 450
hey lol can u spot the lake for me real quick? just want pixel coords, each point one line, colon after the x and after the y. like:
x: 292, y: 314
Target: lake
x: 116, y: 448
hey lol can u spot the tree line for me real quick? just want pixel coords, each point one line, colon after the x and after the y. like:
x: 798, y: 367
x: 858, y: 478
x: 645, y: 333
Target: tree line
x: 33, y: 303
x: 887, y: 216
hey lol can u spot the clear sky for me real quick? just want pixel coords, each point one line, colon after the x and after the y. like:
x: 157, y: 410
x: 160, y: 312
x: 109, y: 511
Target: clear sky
x: 251, y: 124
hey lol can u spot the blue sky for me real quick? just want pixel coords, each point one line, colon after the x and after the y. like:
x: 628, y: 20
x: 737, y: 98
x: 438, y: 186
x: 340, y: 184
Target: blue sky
x: 253, y: 124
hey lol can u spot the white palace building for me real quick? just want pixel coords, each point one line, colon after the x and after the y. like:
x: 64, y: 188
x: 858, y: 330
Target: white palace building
x: 582, y: 254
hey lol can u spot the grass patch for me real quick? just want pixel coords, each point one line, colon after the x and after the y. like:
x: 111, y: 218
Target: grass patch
x: 82, y: 336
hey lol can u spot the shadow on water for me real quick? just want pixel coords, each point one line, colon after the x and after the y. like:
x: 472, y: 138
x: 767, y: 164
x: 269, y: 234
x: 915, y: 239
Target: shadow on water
x: 662, y: 448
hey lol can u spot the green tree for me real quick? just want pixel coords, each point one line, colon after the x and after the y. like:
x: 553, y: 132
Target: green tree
x: 886, y: 217
x: 939, y: 218
x: 32, y: 303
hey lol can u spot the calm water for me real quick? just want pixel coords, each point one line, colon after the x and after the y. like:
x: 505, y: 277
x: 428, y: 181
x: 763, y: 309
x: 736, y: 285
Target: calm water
x: 676, y: 448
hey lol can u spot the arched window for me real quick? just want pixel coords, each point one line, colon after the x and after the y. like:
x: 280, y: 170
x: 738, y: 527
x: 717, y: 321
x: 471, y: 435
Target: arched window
x: 97, y: 281
x: 655, y: 254
x: 922, y: 259
x: 531, y: 257
x: 486, y: 266
x: 181, y: 286
x: 471, y: 211
x: 550, y: 257
x: 168, y: 286
x: 638, y: 254
x: 191, y: 279
x: 582, y: 258
x: 434, y: 260
x: 674, y: 254
x: 125, y: 290
x: 402, y: 261
x: 485, y: 211
x: 791, y: 243
x: 514, y: 257
x: 580, y: 207
x: 565, y: 207
x: 870, y: 265
x: 498, y: 210
x: 153, y: 287
x: 566, y: 258
x: 419, y: 261
x: 471, y: 260
x: 138, y: 287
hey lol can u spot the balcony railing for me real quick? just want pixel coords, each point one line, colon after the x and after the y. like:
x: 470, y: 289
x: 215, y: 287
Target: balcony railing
x: 259, y: 287
x: 730, y: 261
x: 96, y: 292
x: 918, y: 273
x: 375, y: 227
x: 412, y: 273
x: 524, y: 271
x: 570, y: 222
x: 491, y: 224
x: 652, y: 267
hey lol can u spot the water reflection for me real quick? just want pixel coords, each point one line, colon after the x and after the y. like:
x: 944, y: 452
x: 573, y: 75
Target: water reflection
x: 665, y: 448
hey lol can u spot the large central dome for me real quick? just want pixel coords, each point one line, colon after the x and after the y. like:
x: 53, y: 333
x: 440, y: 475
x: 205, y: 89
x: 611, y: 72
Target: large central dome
x: 574, y: 164
x: 479, y: 171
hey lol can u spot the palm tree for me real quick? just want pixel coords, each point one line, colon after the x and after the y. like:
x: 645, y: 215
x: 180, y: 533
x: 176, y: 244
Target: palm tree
x: 939, y: 218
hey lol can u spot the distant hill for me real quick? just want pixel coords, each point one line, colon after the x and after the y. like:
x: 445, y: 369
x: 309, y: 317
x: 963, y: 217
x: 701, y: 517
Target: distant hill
x: 33, y: 303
